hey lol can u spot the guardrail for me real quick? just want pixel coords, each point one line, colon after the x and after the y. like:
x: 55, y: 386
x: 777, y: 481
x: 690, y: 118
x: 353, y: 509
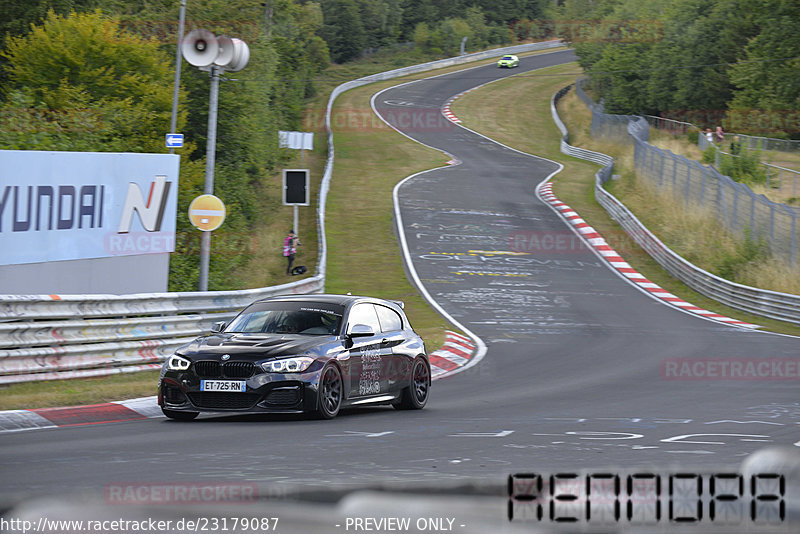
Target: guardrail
x: 51, y: 337
x: 762, y: 302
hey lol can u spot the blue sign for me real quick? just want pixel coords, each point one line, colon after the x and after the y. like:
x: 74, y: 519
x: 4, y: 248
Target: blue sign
x: 174, y: 140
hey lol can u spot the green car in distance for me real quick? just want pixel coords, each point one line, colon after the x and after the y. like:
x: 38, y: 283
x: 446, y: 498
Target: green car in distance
x: 508, y: 61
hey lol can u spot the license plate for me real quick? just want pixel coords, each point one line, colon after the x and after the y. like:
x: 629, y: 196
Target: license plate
x: 233, y: 386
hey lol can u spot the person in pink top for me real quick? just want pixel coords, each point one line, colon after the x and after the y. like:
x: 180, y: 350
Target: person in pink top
x: 290, y: 243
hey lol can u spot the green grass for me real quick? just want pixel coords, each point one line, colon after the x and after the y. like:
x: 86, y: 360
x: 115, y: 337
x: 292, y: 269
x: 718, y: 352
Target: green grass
x: 77, y: 392
x: 364, y: 255
x: 496, y: 111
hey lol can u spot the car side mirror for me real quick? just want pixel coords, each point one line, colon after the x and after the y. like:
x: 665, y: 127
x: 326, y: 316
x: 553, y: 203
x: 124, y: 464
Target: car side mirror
x: 218, y: 327
x: 361, y: 330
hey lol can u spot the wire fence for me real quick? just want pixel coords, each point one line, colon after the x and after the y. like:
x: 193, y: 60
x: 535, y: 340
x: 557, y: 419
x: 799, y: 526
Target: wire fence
x: 752, y: 142
x: 740, y: 209
x: 781, y: 306
x: 780, y: 180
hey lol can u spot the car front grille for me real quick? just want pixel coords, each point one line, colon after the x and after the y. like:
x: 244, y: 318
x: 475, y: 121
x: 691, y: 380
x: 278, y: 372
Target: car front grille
x: 217, y: 400
x: 207, y: 369
x: 213, y: 369
x: 287, y: 396
x: 238, y: 369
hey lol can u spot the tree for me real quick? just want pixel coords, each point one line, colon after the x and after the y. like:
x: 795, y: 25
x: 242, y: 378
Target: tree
x: 767, y: 76
x: 422, y: 36
x: 381, y: 20
x: 451, y: 32
x: 86, y: 65
x: 19, y: 15
x: 476, y: 20
x: 619, y: 76
x: 343, y: 29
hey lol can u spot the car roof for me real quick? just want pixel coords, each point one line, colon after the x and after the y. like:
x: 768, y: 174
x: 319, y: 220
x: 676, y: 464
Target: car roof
x: 343, y: 300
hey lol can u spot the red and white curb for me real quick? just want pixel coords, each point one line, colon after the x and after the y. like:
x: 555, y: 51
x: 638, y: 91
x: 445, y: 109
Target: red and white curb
x: 456, y: 352
x: 612, y: 257
x: 108, y: 412
x: 447, y: 112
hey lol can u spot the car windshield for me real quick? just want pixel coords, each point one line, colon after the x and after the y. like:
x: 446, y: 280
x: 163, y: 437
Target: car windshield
x: 507, y: 57
x: 305, y: 318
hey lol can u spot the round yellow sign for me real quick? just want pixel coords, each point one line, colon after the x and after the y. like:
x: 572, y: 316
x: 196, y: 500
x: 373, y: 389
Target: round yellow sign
x: 207, y: 212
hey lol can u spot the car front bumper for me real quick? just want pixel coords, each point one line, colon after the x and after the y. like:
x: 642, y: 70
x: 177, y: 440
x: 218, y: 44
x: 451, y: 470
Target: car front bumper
x: 265, y: 393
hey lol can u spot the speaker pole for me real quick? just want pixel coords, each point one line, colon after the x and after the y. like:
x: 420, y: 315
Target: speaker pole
x: 211, y: 145
x: 173, y: 123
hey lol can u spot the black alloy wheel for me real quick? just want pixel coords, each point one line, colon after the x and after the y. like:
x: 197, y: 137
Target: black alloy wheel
x: 415, y: 396
x: 330, y: 392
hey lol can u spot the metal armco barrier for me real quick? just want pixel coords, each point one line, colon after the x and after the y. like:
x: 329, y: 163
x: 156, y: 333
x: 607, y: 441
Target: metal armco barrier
x: 52, y: 337
x: 772, y: 304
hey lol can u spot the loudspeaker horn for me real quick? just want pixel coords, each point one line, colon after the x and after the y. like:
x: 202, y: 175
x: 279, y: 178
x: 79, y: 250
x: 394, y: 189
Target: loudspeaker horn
x: 200, y: 48
x: 226, y: 51
x: 241, y: 55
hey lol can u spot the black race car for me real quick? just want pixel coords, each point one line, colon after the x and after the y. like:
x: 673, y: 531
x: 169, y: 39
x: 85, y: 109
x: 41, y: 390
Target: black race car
x: 300, y: 353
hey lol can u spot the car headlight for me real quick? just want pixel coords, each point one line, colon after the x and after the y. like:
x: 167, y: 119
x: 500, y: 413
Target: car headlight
x: 176, y: 363
x: 289, y: 365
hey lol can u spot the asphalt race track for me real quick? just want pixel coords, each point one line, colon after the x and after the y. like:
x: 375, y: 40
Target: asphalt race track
x: 581, y: 368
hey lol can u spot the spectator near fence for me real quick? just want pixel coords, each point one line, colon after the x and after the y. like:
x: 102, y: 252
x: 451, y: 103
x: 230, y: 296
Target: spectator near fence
x: 719, y: 135
x: 736, y: 146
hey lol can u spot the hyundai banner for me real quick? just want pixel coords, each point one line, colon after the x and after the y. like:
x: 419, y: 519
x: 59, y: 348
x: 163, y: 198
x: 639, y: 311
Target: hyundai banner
x: 57, y: 206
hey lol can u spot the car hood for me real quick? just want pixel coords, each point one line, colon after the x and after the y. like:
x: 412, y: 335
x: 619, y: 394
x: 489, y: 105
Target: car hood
x: 257, y: 346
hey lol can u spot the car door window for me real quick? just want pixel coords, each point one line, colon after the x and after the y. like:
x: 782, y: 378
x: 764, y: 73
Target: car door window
x: 364, y: 314
x: 389, y: 319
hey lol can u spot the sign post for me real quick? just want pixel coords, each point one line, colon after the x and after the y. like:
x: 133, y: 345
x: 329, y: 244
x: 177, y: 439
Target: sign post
x: 216, y: 55
x: 295, y: 181
x: 296, y: 191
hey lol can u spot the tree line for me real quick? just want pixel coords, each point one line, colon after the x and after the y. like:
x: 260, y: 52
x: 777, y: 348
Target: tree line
x: 734, y: 63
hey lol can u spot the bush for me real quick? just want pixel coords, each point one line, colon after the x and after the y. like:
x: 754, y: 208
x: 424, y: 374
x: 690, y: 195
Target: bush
x: 710, y: 155
x: 745, y: 168
x: 747, y: 252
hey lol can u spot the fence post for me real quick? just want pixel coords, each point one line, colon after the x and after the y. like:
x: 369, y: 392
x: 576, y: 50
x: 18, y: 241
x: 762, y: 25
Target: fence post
x: 674, y: 171
x: 794, y: 237
x: 688, y: 184
x: 772, y: 227
x: 703, y: 185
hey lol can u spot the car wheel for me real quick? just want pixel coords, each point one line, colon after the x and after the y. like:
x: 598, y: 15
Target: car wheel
x: 179, y: 416
x: 330, y: 392
x: 415, y: 396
